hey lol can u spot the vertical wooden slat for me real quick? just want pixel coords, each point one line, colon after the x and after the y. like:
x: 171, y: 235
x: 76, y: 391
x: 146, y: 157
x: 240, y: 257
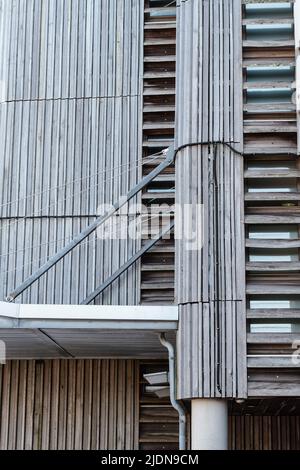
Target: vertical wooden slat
x: 79, y: 403
x: 6, y: 380
x: 63, y: 405
x: 30, y: 385
x: 38, y: 405
x: 54, y: 416
x: 21, y: 406
x: 71, y: 405
x: 136, y: 404
x: 96, y: 410
x: 13, y: 408
x: 47, y: 402
x: 87, y: 407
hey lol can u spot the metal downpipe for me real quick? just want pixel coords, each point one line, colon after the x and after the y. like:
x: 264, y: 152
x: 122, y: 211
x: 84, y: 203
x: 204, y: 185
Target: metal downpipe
x: 175, y: 403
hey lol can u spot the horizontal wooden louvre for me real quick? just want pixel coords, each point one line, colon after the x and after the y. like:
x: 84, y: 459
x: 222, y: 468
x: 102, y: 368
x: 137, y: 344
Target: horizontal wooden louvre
x: 69, y: 404
x: 272, y: 197
x: 157, y: 266
x: 158, y: 428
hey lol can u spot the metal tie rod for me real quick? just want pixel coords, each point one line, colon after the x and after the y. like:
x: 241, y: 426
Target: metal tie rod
x: 126, y: 265
x: 90, y: 228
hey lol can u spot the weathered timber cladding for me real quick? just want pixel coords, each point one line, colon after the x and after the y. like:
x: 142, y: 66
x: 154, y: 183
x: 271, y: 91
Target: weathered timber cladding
x: 157, y: 266
x: 271, y: 204
x: 69, y: 404
x: 264, y: 432
x: 70, y: 48
x: 158, y: 420
x: 210, y: 282
x: 297, y: 72
x: 71, y: 127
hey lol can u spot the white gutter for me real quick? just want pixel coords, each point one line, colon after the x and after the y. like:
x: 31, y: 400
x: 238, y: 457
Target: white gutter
x: 88, y: 316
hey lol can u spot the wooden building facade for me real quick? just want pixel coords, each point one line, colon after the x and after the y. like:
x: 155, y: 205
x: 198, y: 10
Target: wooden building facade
x: 92, y: 92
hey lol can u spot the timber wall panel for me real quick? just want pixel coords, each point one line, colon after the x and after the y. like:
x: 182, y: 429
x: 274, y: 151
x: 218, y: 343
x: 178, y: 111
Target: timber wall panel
x: 264, y: 432
x: 71, y: 121
x: 69, y: 48
x: 69, y: 404
x: 210, y: 282
x: 271, y: 136
x: 157, y: 266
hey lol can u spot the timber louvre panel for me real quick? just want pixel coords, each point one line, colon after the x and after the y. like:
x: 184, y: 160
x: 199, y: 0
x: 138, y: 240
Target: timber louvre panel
x: 212, y: 324
x: 69, y: 404
x: 157, y: 265
x: 271, y: 126
x: 158, y: 421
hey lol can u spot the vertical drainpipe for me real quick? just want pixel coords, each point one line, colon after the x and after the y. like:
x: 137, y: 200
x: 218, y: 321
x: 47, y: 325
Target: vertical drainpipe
x: 174, y: 402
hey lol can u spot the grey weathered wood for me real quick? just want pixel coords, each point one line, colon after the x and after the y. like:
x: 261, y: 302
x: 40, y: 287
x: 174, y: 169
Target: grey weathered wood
x: 265, y: 289
x: 271, y: 361
x: 272, y: 338
x: 269, y: 314
x: 273, y: 266
x: 210, y: 282
x: 297, y: 59
x: 272, y: 385
x: 269, y: 132
x: 272, y: 196
x: 270, y: 44
x: 64, y: 405
x: 71, y: 122
x: 272, y: 173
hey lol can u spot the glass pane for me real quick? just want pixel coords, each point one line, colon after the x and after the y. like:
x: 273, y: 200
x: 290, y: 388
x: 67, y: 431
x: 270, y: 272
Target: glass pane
x: 275, y: 165
x: 265, y: 185
x: 273, y: 232
x: 278, y: 95
x: 270, y: 74
x: 266, y: 254
x: 269, y: 10
x: 270, y: 328
x: 273, y: 32
x: 274, y: 327
x: 274, y: 301
x: 163, y: 8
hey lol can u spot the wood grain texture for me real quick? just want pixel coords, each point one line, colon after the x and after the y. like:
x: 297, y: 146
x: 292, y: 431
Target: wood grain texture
x: 264, y: 432
x: 210, y: 282
x: 69, y: 404
x: 157, y: 265
x: 71, y: 127
x: 297, y: 71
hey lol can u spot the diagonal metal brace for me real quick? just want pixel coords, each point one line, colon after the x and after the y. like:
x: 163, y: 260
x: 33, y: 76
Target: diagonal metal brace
x: 127, y: 265
x: 169, y: 159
